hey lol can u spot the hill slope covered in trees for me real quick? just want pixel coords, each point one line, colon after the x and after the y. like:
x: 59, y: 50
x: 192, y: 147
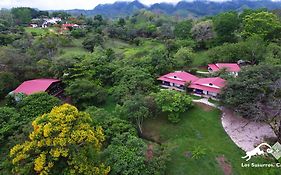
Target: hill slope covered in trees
x: 183, y: 8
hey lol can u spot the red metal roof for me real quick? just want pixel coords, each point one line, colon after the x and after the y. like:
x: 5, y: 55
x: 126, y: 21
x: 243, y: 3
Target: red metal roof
x: 217, y: 81
x: 231, y: 67
x: 33, y: 86
x: 69, y: 25
x: 204, y: 88
x: 213, y: 84
x: 209, y: 84
x: 213, y: 67
x: 178, y: 77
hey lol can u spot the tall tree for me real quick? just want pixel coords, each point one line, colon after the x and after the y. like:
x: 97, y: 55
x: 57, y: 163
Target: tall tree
x: 226, y: 24
x: 86, y: 92
x: 273, y: 54
x: 7, y: 83
x: 202, y: 32
x: 182, y: 29
x: 9, y: 121
x: 62, y: 141
x: 130, y: 81
x: 126, y: 155
x: 172, y: 103
x: 263, y: 24
x: 36, y: 104
x: 135, y: 110
x: 255, y: 94
x: 93, y: 41
x: 22, y: 15
x: 184, y: 57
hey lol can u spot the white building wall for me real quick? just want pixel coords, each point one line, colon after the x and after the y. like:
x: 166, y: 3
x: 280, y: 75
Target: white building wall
x: 213, y: 94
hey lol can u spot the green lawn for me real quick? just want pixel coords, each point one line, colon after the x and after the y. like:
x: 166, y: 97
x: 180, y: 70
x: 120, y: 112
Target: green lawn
x: 131, y: 51
x: 199, y: 129
x: 75, y: 49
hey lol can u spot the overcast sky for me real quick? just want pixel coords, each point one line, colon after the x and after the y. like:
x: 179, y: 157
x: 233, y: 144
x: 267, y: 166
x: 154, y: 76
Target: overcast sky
x: 67, y: 4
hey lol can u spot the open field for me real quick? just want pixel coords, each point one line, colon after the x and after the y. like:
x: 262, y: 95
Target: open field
x: 38, y: 31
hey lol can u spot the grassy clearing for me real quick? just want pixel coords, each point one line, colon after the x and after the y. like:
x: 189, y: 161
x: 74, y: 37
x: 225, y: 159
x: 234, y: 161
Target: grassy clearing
x: 132, y: 52
x: 75, y: 49
x: 199, y: 129
x: 38, y: 31
x: 116, y: 45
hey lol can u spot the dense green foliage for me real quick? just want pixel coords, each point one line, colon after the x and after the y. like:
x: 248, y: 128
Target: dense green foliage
x: 256, y: 94
x: 86, y: 93
x: 262, y: 24
x: 7, y: 83
x: 62, y: 141
x: 173, y: 103
x: 109, y: 68
x: 10, y: 120
x: 225, y: 26
x: 36, y: 104
x: 181, y: 9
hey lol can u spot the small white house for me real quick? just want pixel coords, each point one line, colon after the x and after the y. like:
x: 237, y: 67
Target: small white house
x: 51, y: 21
x: 34, y: 25
x: 232, y: 68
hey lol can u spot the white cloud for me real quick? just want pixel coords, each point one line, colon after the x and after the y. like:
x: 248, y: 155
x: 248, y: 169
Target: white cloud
x: 69, y: 4
x: 53, y: 4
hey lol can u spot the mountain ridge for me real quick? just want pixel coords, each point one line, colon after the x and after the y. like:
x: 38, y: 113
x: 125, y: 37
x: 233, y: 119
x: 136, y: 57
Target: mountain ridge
x: 183, y: 8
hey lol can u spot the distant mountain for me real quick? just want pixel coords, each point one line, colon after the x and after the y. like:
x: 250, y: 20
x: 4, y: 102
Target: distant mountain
x: 183, y: 8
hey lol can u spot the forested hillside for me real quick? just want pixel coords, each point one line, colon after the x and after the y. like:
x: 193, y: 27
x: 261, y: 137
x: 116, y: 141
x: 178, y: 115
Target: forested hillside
x: 191, y: 9
x: 113, y: 117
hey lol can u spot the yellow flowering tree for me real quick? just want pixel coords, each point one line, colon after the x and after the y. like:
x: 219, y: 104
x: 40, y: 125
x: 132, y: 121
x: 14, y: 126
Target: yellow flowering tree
x: 62, y: 142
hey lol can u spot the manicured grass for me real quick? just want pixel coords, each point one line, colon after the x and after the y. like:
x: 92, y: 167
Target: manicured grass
x: 203, y: 129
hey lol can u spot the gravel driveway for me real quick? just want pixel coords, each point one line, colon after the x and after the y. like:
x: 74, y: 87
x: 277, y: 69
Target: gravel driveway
x: 244, y: 133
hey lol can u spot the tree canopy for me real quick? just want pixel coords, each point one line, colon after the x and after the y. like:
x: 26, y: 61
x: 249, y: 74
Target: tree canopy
x: 255, y: 94
x: 173, y: 103
x: 263, y: 24
x: 62, y: 141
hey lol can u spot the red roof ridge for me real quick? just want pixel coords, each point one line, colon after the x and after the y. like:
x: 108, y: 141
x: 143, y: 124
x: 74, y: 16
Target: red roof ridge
x: 231, y: 67
x: 36, y: 85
